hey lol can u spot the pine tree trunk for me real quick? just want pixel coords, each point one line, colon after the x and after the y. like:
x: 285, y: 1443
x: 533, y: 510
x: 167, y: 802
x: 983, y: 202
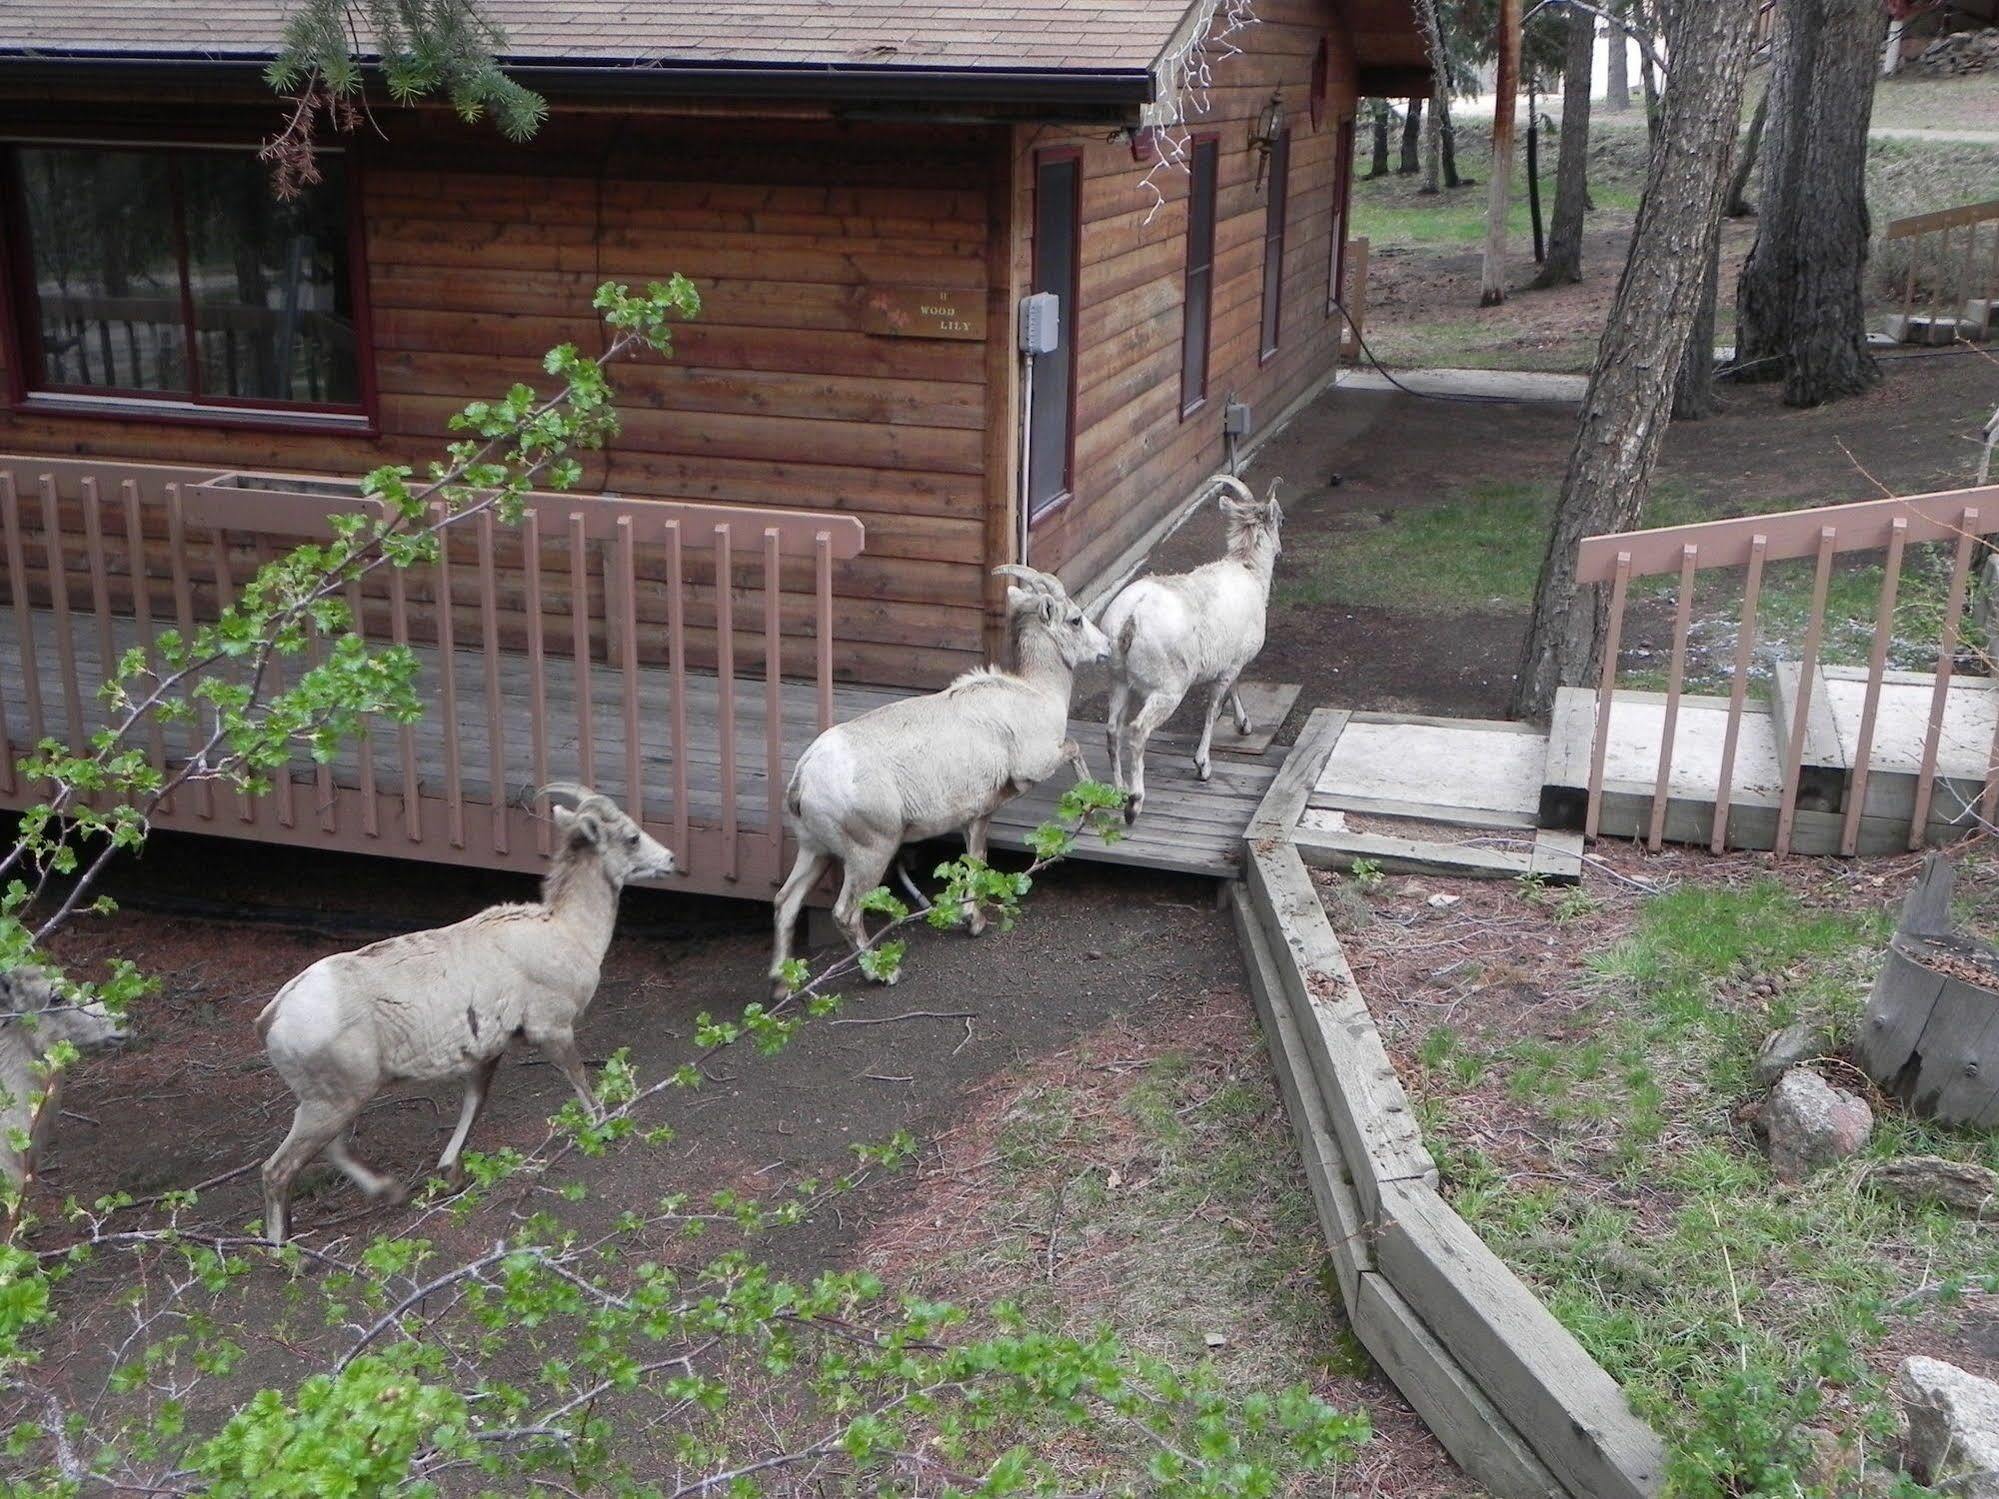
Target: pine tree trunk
x: 1763, y: 291
x: 1828, y: 356
x: 1617, y: 97
x: 1505, y: 111
x: 1447, y: 133
x: 1648, y: 73
x: 1799, y: 310
x: 1693, y: 390
x: 1565, y: 236
x: 1739, y: 206
x: 1412, y: 138
x: 1433, y: 150
x: 1623, y: 422
x: 1378, y: 167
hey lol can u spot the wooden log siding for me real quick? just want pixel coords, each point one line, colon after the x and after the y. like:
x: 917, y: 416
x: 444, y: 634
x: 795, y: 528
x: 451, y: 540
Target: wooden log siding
x: 776, y: 396
x: 1135, y: 457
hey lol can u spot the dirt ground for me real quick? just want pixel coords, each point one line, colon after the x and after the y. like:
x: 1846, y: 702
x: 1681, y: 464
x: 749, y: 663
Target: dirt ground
x: 1355, y: 461
x: 1118, y: 1003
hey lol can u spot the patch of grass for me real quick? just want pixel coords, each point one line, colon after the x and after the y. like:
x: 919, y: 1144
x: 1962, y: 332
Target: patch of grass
x: 1737, y: 1312
x: 1479, y: 549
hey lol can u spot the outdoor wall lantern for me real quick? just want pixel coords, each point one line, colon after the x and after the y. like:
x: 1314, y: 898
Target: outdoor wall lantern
x: 1263, y: 134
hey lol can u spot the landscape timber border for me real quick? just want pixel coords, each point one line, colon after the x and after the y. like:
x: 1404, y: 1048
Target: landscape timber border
x: 1514, y: 1398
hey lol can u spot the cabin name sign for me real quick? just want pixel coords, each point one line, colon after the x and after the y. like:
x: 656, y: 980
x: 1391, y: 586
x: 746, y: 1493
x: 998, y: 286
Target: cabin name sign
x: 922, y: 312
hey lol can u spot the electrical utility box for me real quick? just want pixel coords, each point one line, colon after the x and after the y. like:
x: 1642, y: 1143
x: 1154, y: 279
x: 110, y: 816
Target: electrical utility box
x: 1040, y: 323
x: 1236, y: 420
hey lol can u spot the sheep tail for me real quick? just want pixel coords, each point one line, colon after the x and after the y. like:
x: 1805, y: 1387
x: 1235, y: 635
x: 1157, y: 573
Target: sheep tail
x: 269, y: 1014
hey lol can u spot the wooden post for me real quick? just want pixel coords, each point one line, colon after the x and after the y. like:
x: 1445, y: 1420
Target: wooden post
x: 1927, y: 1035
x: 1492, y: 280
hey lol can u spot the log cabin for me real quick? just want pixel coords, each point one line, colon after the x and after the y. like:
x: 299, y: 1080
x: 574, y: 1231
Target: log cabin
x: 844, y: 443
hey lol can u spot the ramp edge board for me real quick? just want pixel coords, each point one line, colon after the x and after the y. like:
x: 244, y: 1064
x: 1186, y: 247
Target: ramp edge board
x: 1511, y: 1394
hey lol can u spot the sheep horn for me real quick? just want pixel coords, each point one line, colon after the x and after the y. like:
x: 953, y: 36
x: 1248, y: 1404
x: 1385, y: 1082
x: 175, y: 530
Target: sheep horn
x: 1038, y: 581
x: 1229, y: 481
x: 570, y: 791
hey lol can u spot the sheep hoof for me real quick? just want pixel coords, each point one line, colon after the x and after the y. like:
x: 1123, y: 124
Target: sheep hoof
x: 1131, y: 807
x: 390, y: 1194
x: 1203, y: 770
x: 1244, y: 726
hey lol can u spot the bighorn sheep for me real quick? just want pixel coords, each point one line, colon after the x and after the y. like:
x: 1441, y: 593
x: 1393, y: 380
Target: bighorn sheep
x: 445, y: 1003
x: 1171, y: 633
x: 930, y: 765
x: 33, y: 1018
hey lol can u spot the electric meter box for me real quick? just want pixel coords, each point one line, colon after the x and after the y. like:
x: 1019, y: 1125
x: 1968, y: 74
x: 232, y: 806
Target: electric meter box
x: 1040, y: 323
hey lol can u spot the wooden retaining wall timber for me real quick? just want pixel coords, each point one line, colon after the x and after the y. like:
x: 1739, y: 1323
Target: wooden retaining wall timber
x: 1514, y: 1398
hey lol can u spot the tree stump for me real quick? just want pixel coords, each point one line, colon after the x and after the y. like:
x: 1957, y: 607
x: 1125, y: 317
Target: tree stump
x: 1930, y: 1037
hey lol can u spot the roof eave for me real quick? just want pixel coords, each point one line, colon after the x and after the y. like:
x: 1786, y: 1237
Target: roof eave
x: 1053, y: 88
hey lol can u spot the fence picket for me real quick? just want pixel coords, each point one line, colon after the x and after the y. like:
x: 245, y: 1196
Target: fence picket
x: 1926, y: 776
x: 1606, y: 692
x: 1877, y: 667
x: 1738, y: 689
x: 1794, y: 754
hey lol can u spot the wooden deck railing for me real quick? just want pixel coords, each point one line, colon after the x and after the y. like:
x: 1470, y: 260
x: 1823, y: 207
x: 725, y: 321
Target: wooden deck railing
x: 641, y: 646
x: 1957, y: 519
x: 1950, y: 267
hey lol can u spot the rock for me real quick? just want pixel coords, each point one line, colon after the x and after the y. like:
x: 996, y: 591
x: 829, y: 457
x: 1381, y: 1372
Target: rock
x: 1808, y: 1124
x: 1788, y: 1048
x: 1953, y: 1427
x: 1960, y: 52
x: 1920, y: 1179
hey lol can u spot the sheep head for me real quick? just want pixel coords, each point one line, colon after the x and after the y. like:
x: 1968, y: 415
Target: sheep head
x: 1039, y: 601
x: 600, y: 825
x: 1250, y: 520
x: 32, y: 994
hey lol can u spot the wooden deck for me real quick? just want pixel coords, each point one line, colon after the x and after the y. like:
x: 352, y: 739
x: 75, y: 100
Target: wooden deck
x: 1188, y: 826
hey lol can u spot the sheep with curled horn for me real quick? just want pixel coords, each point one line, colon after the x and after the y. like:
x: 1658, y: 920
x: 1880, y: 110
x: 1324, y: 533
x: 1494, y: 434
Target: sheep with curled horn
x: 34, y: 1017
x: 446, y: 1002
x: 1172, y: 633
x: 925, y: 766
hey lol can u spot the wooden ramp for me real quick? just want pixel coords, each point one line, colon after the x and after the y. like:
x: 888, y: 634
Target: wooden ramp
x: 460, y: 749
x: 1413, y: 794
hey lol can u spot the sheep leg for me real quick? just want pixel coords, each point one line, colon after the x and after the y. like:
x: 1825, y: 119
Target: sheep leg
x: 560, y: 1048
x: 975, y: 848
x: 314, y: 1124
x: 805, y: 872
x: 1156, y: 709
x: 1242, y: 723
x: 1114, y: 728
x: 476, y: 1088
x: 373, y: 1183
x: 865, y: 866
x: 1222, y: 688
x: 1073, y: 753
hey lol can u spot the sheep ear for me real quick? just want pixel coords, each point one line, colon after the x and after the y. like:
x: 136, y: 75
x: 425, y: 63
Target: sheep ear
x: 1051, y: 608
x: 588, y: 828
x: 1018, y: 597
x: 563, y: 817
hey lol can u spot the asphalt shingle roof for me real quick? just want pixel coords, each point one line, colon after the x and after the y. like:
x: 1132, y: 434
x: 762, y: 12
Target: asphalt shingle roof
x: 1064, y: 35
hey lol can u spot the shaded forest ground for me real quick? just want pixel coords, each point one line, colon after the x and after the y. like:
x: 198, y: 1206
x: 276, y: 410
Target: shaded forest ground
x: 1423, y: 283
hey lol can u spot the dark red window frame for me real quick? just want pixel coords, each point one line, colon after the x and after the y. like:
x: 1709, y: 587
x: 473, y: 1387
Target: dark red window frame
x: 1041, y: 509
x: 1200, y: 269
x: 1270, y: 335
x: 17, y: 322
